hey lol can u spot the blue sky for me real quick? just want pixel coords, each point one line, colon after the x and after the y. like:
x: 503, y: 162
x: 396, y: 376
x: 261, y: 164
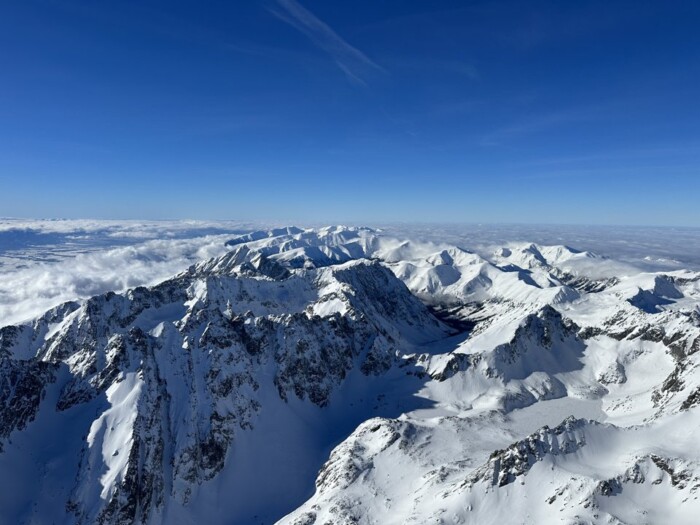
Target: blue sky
x: 359, y: 111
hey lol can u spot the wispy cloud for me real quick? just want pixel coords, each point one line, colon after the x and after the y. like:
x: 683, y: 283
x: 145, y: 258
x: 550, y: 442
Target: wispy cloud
x: 353, y: 62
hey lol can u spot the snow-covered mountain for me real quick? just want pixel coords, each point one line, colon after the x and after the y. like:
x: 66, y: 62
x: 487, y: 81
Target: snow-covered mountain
x: 341, y: 375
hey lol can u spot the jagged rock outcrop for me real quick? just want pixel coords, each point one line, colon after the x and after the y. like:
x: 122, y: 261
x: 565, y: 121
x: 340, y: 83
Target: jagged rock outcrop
x: 504, y: 466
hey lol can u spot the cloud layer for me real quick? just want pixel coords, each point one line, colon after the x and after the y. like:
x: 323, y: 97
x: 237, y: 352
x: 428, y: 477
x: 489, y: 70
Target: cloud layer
x: 44, y: 263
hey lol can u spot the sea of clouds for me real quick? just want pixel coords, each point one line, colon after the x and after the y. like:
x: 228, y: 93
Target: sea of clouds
x: 46, y: 262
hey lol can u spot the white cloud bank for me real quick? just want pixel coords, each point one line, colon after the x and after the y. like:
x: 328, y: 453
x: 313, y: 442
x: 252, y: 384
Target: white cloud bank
x: 45, y: 263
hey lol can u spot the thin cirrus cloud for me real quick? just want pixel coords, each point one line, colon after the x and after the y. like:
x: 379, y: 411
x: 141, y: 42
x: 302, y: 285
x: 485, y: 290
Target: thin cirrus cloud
x: 353, y: 62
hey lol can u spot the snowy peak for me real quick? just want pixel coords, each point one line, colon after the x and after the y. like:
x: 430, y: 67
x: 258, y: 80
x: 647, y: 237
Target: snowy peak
x: 530, y: 256
x: 544, y: 342
x: 264, y: 234
x: 311, y: 248
x: 242, y: 261
x: 663, y: 292
x: 454, y: 257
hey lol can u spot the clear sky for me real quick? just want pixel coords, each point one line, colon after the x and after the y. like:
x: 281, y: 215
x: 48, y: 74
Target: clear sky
x: 363, y: 110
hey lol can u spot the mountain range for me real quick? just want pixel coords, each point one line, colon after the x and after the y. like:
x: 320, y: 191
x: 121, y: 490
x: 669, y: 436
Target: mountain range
x: 342, y: 375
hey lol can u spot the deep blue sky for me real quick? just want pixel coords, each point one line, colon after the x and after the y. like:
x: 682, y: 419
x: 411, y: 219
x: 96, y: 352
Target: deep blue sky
x: 372, y: 110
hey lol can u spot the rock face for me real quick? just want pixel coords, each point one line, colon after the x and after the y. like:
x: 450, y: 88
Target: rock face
x: 22, y: 387
x: 505, y: 466
x: 221, y: 394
